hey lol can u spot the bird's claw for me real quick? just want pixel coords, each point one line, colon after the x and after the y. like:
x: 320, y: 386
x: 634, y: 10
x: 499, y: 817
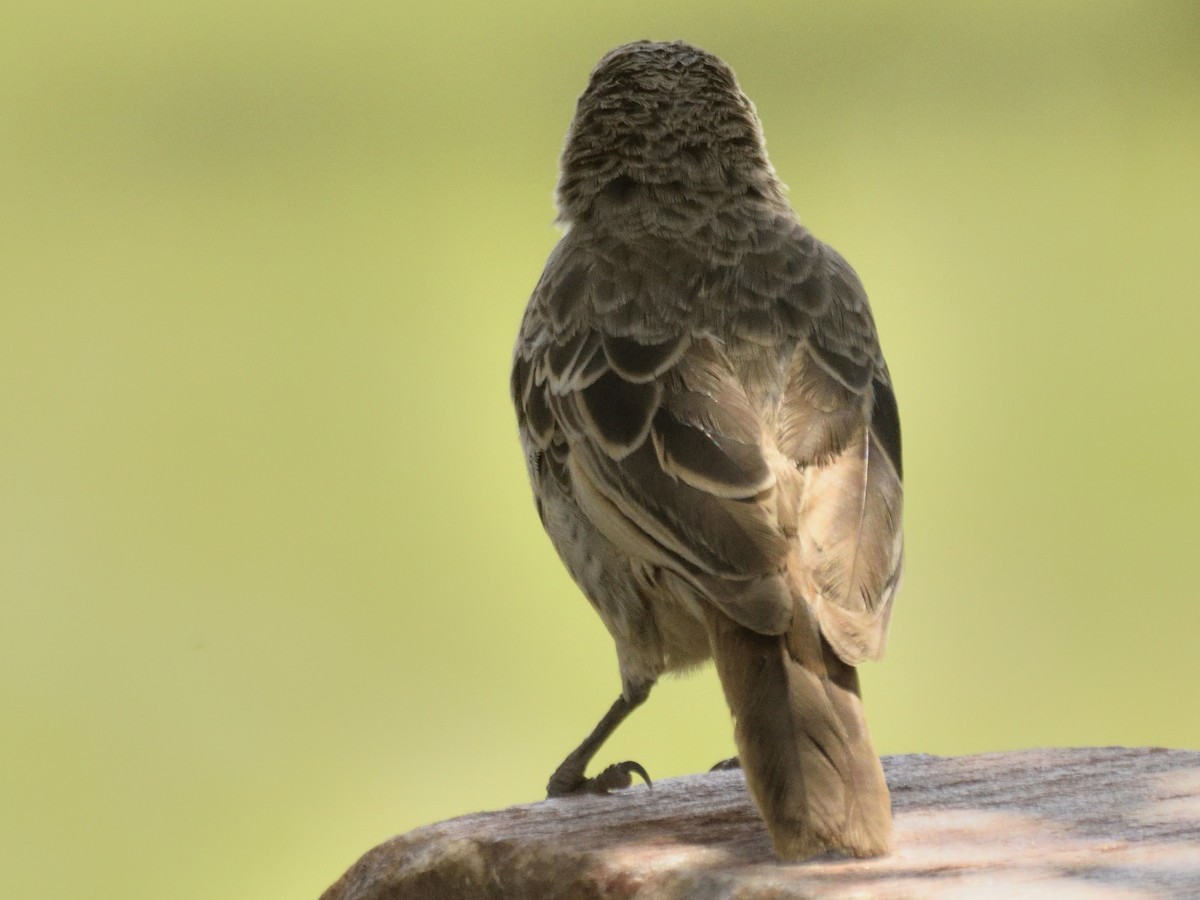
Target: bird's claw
x: 616, y: 777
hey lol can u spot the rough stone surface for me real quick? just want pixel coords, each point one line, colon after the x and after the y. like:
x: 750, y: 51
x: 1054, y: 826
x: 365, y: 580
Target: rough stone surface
x: 1097, y: 822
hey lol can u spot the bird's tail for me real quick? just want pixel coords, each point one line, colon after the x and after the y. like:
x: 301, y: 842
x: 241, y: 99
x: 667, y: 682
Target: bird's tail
x: 802, y: 739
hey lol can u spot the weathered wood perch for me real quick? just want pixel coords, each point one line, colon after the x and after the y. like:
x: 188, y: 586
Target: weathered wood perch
x: 1108, y: 822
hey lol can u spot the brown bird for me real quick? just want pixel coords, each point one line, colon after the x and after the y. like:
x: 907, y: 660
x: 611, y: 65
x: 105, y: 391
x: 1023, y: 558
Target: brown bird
x: 713, y: 441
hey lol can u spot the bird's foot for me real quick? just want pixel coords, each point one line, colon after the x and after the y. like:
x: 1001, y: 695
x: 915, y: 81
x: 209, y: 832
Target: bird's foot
x: 726, y: 765
x: 566, y: 782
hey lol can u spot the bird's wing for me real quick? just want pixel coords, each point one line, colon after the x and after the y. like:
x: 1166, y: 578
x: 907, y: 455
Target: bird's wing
x: 839, y: 426
x: 656, y: 439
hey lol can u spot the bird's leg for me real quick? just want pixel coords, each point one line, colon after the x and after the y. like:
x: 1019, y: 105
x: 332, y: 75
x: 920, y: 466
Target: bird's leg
x: 726, y: 765
x: 569, y: 777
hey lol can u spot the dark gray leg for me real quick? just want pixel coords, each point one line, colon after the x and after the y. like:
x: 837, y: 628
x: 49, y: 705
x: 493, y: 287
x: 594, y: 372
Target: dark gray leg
x: 569, y: 777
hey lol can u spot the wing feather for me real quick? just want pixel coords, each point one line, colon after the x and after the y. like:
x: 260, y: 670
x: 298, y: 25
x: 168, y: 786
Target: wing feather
x: 841, y: 429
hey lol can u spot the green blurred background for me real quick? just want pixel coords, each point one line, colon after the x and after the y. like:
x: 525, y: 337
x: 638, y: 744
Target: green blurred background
x: 272, y: 585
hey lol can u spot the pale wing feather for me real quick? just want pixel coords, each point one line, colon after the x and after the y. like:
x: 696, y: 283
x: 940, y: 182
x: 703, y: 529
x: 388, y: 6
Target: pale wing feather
x: 841, y: 430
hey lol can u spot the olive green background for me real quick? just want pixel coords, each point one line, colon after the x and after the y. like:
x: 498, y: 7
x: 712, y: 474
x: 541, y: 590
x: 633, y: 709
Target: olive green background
x: 271, y: 584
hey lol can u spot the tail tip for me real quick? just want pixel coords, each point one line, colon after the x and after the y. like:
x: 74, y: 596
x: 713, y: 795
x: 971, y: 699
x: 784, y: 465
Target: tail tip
x: 795, y: 846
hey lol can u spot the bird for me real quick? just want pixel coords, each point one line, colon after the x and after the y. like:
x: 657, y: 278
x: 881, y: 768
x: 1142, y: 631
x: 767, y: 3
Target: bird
x: 713, y: 441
